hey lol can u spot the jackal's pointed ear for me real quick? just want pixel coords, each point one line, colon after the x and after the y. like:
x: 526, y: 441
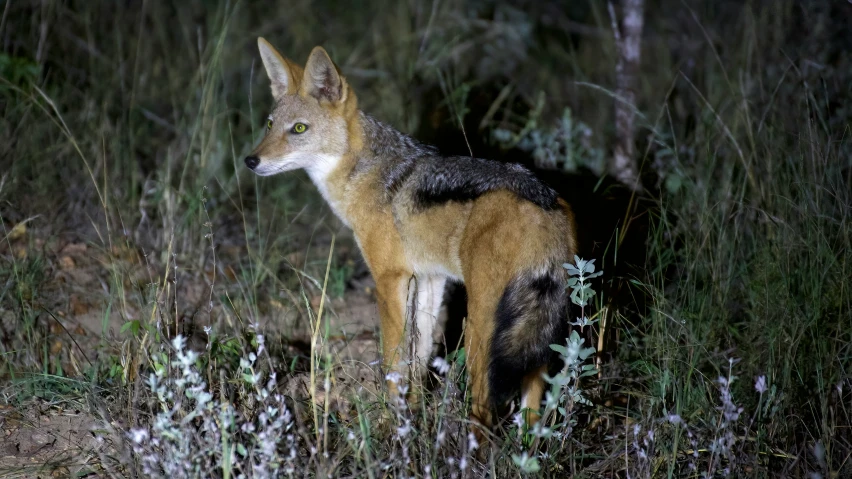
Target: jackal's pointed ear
x: 283, y: 74
x: 322, y: 78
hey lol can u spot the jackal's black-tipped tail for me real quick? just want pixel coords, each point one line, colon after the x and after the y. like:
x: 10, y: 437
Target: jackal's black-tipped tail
x: 530, y: 317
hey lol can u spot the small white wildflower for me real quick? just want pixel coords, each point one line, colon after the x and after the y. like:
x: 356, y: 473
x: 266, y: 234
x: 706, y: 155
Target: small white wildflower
x: 178, y: 342
x: 818, y: 450
x: 350, y: 436
x: 204, y: 398
x: 674, y: 419
x: 138, y: 435
x: 541, y: 431
x: 208, y: 329
x: 403, y: 430
x: 441, y: 436
x: 393, y: 377
x: 760, y: 384
x: 472, y: 443
x: 403, y: 390
x: 441, y: 365
x: 463, y: 463
x: 551, y: 401
x: 517, y: 420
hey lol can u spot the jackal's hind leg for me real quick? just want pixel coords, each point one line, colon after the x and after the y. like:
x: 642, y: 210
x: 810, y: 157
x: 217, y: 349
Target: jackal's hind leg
x: 532, y: 390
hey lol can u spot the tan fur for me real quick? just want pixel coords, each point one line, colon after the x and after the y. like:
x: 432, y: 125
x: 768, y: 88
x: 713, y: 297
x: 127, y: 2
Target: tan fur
x: 484, y: 242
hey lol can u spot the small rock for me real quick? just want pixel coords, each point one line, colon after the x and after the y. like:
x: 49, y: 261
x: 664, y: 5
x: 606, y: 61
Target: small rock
x: 75, y: 248
x: 18, y: 232
x: 55, y: 328
x: 60, y: 471
x: 41, y: 438
x: 78, y: 307
x: 66, y: 262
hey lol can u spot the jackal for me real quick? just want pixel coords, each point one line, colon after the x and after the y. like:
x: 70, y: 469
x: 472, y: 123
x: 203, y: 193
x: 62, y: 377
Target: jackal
x: 417, y: 214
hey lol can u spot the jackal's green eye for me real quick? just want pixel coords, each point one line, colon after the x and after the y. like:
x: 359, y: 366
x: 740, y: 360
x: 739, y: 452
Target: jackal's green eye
x: 299, y: 128
x: 269, y: 124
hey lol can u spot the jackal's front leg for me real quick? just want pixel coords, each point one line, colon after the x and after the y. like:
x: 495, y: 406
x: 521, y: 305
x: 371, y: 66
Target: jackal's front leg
x: 409, y: 308
x: 382, y: 248
x: 392, y: 293
x: 420, y: 326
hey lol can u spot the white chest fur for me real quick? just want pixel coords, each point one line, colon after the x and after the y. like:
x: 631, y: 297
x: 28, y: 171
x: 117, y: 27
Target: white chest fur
x: 319, y: 171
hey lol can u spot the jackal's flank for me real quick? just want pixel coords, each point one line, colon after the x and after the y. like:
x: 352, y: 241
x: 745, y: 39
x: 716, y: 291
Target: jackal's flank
x: 416, y: 213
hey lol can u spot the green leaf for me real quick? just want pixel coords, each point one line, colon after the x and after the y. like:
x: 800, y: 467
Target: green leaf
x: 132, y: 325
x: 673, y: 183
x: 525, y: 463
x: 560, y: 380
x: 572, y: 270
x: 586, y: 352
x: 559, y: 349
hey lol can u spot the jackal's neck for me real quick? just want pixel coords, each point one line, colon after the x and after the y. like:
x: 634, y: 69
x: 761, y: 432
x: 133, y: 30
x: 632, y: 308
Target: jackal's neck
x: 381, y: 149
x: 384, y: 142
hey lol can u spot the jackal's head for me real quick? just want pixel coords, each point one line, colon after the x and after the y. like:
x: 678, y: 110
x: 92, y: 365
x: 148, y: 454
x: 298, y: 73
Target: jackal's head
x: 308, y: 126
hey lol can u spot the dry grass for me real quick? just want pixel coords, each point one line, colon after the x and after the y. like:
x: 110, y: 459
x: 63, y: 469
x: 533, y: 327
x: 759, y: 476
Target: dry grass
x: 128, y: 220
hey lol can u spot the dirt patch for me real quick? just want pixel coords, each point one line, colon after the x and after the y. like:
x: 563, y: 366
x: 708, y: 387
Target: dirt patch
x: 46, y: 441
x: 87, y: 293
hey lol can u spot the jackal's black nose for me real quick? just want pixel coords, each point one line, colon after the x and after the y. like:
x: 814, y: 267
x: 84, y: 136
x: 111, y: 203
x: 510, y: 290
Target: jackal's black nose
x: 252, y: 162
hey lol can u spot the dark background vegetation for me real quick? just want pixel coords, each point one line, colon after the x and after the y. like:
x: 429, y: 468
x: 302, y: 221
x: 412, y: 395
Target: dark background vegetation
x: 125, y: 122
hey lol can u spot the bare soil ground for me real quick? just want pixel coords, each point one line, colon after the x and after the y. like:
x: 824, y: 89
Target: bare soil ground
x: 41, y: 437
